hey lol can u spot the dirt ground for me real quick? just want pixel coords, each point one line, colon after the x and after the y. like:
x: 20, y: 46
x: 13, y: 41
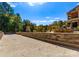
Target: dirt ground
x: 13, y: 45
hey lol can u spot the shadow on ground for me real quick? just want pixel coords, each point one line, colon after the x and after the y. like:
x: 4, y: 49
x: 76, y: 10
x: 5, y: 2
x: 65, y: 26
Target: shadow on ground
x: 65, y: 46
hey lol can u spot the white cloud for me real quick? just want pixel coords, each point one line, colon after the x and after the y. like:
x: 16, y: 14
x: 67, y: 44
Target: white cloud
x: 77, y: 3
x: 57, y: 18
x: 11, y: 4
x: 42, y: 21
x: 47, y: 20
x: 35, y: 3
x: 47, y: 17
x: 37, y: 21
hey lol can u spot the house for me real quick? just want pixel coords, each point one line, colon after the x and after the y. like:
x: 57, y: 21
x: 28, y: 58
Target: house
x: 73, y: 18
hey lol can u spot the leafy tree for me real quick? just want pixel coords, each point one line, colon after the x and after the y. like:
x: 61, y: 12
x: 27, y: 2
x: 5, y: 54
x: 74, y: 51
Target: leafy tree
x: 4, y: 22
x: 40, y: 28
x: 10, y: 23
x: 6, y: 13
x: 45, y: 28
x: 33, y: 27
x: 5, y: 8
x: 26, y: 25
x: 19, y: 22
x: 55, y: 23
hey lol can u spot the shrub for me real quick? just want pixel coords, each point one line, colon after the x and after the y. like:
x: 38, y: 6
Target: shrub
x: 63, y: 30
x: 77, y: 28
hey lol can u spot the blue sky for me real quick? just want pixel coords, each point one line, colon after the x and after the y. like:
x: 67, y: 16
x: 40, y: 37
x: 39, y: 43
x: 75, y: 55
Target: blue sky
x: 43, y: 12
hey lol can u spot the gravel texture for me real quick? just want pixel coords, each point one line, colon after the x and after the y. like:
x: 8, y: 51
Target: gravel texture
x: 19, y: 46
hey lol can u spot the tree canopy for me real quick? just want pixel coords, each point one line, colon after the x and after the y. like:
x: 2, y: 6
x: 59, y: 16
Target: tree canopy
x: 10, y: 22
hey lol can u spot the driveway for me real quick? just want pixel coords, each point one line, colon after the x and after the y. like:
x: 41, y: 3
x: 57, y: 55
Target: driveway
x: 20, y: 46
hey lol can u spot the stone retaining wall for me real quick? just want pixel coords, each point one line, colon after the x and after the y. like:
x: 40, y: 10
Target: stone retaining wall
x: 63, y: 38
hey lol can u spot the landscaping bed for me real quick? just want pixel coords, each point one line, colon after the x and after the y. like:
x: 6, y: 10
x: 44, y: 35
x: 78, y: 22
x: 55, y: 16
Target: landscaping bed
x: 70, y: 39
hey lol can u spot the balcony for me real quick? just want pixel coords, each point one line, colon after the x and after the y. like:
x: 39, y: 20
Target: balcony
x: 73, y: 20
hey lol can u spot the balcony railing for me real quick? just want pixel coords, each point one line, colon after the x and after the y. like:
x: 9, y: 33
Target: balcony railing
x: 74, y: 19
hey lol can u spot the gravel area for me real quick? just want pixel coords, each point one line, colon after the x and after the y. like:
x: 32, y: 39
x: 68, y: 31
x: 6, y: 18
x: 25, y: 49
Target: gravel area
x: 19, y: 46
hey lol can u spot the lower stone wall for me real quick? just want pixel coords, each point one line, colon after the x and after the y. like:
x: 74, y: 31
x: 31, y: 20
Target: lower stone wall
x: 61, y: 38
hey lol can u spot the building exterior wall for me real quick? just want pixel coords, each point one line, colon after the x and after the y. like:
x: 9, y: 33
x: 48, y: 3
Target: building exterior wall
x: 73, y: 17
